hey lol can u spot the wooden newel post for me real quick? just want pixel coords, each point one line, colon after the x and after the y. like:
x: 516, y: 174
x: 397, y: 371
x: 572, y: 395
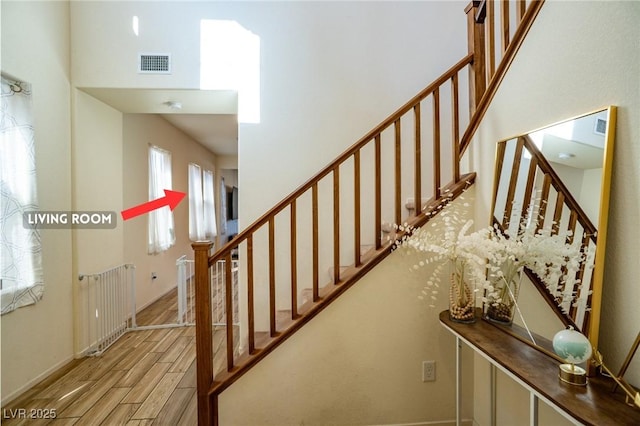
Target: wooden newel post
x: 476, y: 41
x: 204, y: 351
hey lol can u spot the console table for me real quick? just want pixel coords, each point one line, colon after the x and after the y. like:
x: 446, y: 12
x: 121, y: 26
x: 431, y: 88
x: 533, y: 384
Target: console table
x: 593, y: 404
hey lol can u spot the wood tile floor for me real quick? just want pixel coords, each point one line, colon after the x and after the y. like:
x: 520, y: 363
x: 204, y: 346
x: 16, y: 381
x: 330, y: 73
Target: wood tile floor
x: 146, y: 378
x: 162, y: 311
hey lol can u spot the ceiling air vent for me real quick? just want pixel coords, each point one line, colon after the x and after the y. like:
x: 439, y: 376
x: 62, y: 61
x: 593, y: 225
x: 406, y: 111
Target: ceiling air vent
x: 600, y: 127
x: 154, y: 63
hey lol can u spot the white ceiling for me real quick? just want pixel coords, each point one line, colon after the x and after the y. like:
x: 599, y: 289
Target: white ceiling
x: 217, y: 132
x: 577, y: 155
x: 207, y: 116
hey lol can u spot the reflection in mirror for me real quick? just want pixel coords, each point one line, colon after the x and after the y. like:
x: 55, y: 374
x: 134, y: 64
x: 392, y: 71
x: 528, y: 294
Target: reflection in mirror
x: 558, y: 178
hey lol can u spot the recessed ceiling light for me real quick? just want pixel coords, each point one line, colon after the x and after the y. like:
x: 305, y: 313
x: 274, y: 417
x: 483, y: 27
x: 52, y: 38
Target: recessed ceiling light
x: 566, y: 155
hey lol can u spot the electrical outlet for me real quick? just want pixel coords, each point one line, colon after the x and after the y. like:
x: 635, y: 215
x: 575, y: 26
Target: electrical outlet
x: 428, y: 371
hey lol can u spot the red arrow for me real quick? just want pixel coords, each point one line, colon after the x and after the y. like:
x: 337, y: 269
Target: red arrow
x: 171, y: 199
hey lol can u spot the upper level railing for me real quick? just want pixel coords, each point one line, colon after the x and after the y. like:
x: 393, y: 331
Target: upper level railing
x: 323, y: 237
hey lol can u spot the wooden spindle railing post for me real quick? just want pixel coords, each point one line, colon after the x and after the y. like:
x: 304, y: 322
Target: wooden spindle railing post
x: 315, y: 242
x: 228, y: 301
x: 398, y: 172
x: 294, y: 261
x: 490, y: 39
x: 207, y: 414
x: 505, y: 35
x: 437, y: 174
x: 378, y: 192
x: 272, y: 277
x: 356, y: 209
x: 417, y: 162
x: 336, y: 225
x: 475, y: 38
x: 455, y: 128
x: 250, y: 296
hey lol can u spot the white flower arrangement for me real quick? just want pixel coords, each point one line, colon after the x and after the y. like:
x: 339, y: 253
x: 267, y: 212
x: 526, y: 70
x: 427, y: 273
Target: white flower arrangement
x: 549, y: 255
x: 448, y: 242
x: 489, y: 258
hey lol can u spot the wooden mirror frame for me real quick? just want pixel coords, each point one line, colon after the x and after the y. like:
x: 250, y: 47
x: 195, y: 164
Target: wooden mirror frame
x: 596, y: 233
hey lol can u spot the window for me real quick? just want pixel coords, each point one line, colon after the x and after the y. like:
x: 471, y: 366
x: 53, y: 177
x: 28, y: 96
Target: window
x: 21, y: 281
x: 161, y: 225
x: 202, y: 217
x: 196, y: 217
x: 223, y: 207
x: 209, y: 205
x: 230, y: 60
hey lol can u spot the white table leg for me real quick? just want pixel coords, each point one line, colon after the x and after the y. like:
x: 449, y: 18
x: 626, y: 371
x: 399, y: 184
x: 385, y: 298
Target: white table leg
x: 458, y: 381
x: 533, y: 409
x: 493, y: 392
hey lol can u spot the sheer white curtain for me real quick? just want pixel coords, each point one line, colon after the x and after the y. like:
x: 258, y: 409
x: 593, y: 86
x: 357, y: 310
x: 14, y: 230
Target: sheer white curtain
x: 161, y: 225
x: 223, y: 207
x: 21, y: 281
x: 196, y: 208
x: 209, y: 205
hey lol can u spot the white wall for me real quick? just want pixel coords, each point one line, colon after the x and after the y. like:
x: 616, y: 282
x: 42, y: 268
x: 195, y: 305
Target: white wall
x: 592, y: 178
x: 97, y: 177
x: 35, y: 47
x: 572, y: 63
x: 97, y: 186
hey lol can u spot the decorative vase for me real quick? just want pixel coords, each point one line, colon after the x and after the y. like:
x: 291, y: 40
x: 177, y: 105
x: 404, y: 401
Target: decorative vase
x: 502, y: 309
x: 461, y: 300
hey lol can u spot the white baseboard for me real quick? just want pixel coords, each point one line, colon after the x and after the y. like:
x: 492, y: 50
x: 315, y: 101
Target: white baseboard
x: 152, y: 301
x: 465, y: 422
x: 31, y: 383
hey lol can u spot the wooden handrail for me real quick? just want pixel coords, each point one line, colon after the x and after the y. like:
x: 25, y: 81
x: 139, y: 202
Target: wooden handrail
x: 501, y: 71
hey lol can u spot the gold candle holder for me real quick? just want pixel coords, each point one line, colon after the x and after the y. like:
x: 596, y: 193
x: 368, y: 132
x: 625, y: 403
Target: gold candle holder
x: 572, y: 374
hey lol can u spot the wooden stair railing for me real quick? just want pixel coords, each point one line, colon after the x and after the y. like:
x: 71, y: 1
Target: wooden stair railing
x: 482, y: 32
x: 402, y: 135
x: 373, y: 173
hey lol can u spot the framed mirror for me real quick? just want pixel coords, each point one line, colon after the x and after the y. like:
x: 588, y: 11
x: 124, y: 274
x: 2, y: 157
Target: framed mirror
x: 558, y: 178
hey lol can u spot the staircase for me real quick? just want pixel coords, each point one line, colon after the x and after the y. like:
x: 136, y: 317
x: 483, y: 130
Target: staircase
x: 338, y: 216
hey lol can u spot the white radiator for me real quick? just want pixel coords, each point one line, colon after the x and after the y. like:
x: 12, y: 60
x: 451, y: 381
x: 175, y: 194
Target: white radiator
x: 107, y: 303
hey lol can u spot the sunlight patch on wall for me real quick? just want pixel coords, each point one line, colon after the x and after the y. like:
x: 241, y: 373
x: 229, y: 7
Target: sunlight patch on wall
x: 230, y: 60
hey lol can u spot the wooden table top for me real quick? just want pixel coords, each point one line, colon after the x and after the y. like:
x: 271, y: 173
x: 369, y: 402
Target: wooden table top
x: 593, y: 404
